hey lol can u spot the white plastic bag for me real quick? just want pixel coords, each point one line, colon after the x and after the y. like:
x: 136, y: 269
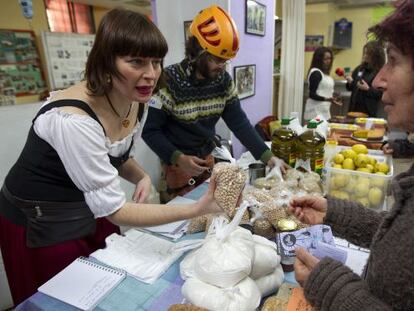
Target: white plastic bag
x: 227, y: 252
x: 224, y: 263
x: 270, y: 283
x: 245, y: 296
x: 265, y: 259
x: 223, y: 153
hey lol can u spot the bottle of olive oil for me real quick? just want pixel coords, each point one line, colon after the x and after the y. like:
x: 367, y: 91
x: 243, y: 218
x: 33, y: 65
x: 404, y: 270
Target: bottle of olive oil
x: 310, y: 145
x: 284, y: 143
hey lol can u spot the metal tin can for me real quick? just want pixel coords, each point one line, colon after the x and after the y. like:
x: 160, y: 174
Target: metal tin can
x: 286, y: 225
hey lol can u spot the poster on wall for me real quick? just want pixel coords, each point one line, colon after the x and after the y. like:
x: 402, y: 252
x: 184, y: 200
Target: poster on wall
x: 255, y: 18
x: 187, y: 30
x: 245, y: 80
x: 20, y: 67
x: 313, y: 42
x: 342, y: 34
x: 66, y: 56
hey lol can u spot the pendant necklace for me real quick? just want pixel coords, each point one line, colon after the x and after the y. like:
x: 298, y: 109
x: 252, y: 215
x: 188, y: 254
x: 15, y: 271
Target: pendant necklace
x: 125, y: 122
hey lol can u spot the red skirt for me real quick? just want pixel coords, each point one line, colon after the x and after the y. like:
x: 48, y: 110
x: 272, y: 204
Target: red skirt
x: 28, y: 268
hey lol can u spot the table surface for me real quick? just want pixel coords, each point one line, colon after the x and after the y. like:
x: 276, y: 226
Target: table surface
x: 132, y: 294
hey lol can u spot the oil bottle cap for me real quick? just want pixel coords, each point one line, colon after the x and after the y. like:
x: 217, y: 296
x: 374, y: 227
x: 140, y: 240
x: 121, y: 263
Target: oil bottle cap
x: 285, y: 121
x: 312, y: 125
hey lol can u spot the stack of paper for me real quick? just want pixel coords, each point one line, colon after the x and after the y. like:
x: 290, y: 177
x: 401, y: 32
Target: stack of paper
x: 173, y: 230
x: 141, y: 254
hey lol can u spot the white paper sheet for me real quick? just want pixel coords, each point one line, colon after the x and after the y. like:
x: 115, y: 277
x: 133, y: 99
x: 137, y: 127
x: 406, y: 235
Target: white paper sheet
x: 175, y: 229
x: 142, y: 255
x: 357, y: 256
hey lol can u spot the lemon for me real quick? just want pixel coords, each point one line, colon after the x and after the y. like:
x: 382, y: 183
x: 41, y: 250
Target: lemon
x: 350, y: 187
x: 378, y: 181
x: 340, y: 194
x: 361, y: 189
x: 375, y: 196
x: 363, y: 201
x: 337, y: 166
x: 370, y: 168
x: 372, y: 161
x: 364, y: 169
x: 349, y: 154
x: 360, y: 148
x: 348, y: 164
x: 382, y: 167
x: 338, y: 158
x: 361, y: 160
x: 341, y: 180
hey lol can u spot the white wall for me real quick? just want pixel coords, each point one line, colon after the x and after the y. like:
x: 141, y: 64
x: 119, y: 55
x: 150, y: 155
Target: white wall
x: 170, y: 16
x: 15, y: 122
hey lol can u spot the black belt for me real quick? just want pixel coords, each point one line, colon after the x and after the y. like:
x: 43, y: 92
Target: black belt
x: 34, y: 208
x: 49, y: 223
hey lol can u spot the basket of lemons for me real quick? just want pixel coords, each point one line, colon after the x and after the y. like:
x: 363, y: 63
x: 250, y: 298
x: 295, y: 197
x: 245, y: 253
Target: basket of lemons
x: 359, y: 174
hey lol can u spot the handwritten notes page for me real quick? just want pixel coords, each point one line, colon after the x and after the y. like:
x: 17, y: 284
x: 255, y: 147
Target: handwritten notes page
x: 83, y: 283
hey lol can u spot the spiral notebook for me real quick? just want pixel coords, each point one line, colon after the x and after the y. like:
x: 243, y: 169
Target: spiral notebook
x: 83, y: 283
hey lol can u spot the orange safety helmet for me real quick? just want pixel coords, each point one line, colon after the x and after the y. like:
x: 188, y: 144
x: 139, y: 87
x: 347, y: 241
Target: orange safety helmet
x: 216, y: 32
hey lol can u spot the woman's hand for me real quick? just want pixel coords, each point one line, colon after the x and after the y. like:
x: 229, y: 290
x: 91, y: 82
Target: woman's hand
x: 192, y: 165
x: 309, y: 209
x: 207, y: 203
x: 275, y: 161
x: 304, y: 265
x: 362, y: 85
x: 349, y: 79
x: 142, y: 189
x: 387, y: 149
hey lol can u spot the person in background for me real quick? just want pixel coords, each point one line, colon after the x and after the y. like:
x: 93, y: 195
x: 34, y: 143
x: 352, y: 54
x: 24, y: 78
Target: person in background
x: 400, y: 148
x: 364, y: 97
x: 387, y: 280
x: 62, y: 198
x: 181, y: 121
x: 321, y: 85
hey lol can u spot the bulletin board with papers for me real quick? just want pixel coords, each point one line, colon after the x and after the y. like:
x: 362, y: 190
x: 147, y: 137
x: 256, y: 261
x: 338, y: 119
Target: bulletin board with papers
x: 66, y: 56
x: 20, y: 66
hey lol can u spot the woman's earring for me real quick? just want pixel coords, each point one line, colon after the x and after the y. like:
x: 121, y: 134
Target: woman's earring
x: 108, y: 79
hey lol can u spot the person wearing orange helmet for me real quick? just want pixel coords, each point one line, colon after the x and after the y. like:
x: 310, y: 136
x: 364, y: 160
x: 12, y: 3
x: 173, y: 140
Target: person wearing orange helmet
x: 180, y: 127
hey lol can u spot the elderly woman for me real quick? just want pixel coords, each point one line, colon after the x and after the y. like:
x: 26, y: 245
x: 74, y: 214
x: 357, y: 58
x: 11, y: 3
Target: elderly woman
x: 387, y: 282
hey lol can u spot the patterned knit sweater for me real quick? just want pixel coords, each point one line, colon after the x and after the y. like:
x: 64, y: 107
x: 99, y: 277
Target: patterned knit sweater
x: 389, y: 275
x: 182, y: 116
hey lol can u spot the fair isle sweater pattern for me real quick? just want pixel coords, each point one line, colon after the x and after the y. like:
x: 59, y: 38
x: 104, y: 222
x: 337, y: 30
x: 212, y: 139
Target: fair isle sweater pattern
x: 191, y: 101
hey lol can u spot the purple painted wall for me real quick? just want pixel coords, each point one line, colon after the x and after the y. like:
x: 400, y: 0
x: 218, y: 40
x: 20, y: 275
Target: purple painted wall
x: 255, y: 50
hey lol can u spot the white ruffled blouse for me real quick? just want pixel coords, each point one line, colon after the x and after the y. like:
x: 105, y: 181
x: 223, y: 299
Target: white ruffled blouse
x: 83, y: 148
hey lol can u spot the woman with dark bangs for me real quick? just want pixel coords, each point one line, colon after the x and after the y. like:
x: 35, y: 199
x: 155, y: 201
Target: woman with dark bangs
x: 387, y: 280
x: 62, y: 198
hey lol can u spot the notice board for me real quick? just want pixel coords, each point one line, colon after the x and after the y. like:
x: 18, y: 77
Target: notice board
x: 66, y: 56
x: 20, y: 66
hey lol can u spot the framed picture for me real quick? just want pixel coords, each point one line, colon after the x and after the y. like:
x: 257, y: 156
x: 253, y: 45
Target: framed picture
x: 255, y: 18
x: 187, y: 30
x: 245, y: 80
x: 313, y: 42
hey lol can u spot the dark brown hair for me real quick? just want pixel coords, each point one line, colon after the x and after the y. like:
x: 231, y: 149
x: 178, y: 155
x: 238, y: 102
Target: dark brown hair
x: 120, y: 33
x: 317, y: 59
x: 196, y: 56
x: 375, y: 52
x: 398, y: 28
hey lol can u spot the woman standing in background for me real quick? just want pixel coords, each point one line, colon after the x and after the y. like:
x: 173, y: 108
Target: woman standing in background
x: 321, y: 85
x: 364, y: 97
